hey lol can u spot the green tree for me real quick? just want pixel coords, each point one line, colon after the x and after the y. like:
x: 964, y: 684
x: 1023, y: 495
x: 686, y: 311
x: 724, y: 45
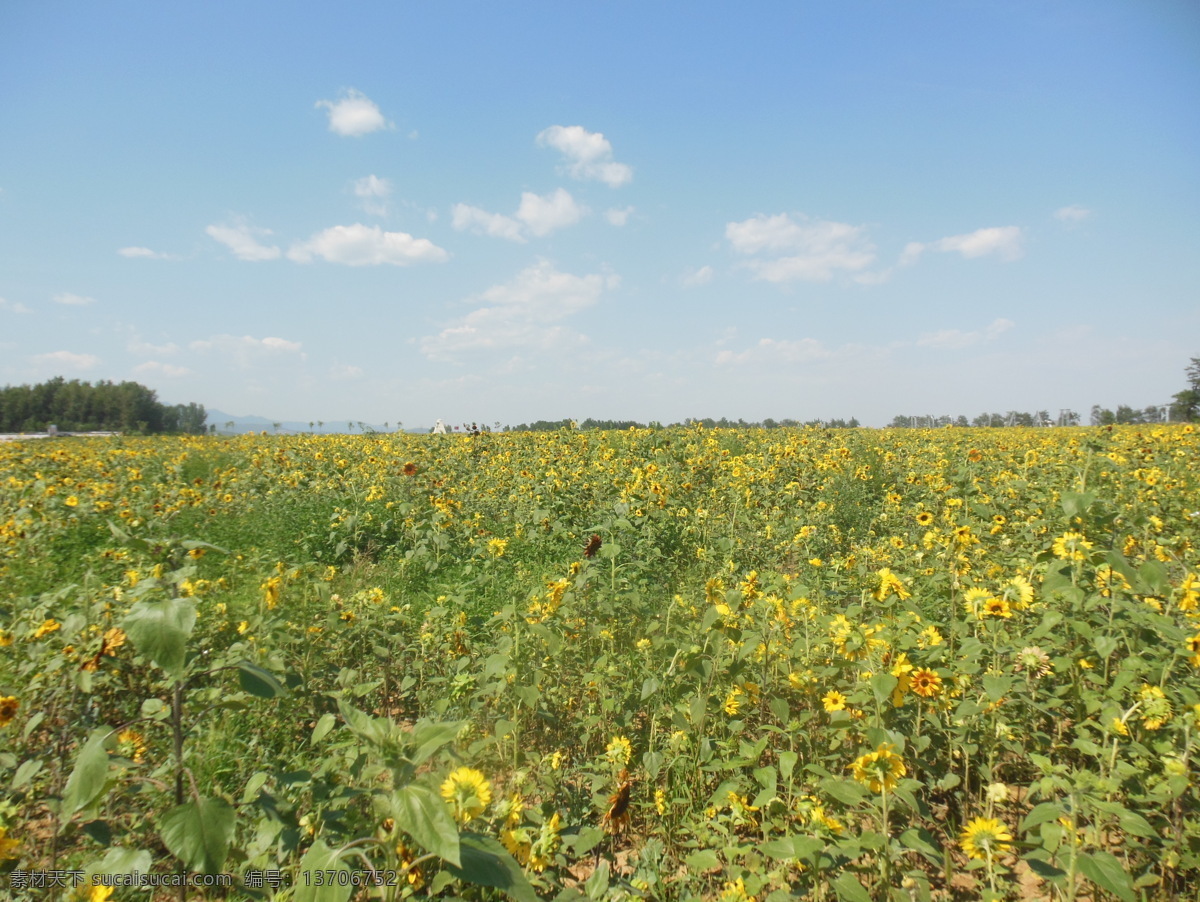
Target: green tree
x: 1186, y: 404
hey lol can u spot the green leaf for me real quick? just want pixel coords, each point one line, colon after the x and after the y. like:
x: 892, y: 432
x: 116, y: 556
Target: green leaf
x: 321, y: 730
x: 160, y: 631
x: 882, y: 685
x: 26, y: 772
x: 996, y: 685
x: 487, y: 863
x: 921, y: 841
x: 650, y: 686
x: 704, y: 860
x: 422, y: 814
x: 845, y: 791
x: 596, y: 885
x: 1136, y: 825
x: 430, y: 735
x: 1045, y: 869
x: 1046, y: 811
x: 198, y: 833
x: 850, y: 889
x: 1104, y: 869
x: 314, y: 883
x: 90, y: 773
x: 120, y: 860
x: 259, y: 682
x: 1075, y: 504
x: 787, y: 848
x: 787, y: 763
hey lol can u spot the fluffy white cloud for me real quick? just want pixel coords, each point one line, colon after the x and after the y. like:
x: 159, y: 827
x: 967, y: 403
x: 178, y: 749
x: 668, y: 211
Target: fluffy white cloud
x: 523, y: 313
x: 1003, y: 241
x: 618, y: 217
x: 354, y: 115
x: 952, y: 339
x: 245, y: 351
x: 345, y: 371
x: 697, y: 277
x: 73, y: 300
x: 154, y: 368
x: 537, y: 215
x: 588, y: 154
x: 242, y: 241
x: 146, y: 253
x: 373, y: 191
x: 464, y: 217
x: 543, y: 214
x: 67, y: 360
x: 361, y: 245
x: 13, y: 306
x: 777, y: 351
x: 783, y: 250
x: 1072, y: 214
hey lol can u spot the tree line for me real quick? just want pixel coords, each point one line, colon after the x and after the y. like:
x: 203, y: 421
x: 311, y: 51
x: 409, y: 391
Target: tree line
x: 101, y: 407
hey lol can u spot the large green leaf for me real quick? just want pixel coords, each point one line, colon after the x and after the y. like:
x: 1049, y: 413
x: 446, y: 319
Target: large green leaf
x: 849, y: 889
x: 487, y: 863
x: 88, y: 777
x: 198, y: 833
x: 259, y: 682
x: 1105, y: 870
x: 429, y: 736
x: 317, y: 880
x: 422, y: 814
x: 160, y: 631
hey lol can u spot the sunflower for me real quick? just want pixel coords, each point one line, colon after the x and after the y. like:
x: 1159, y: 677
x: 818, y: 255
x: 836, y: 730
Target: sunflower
x: 8, y: 709
x: 410, y: 469
x: 8, y: 847
x: 834, y: 701
x: 985, y: 837
x: 1071, y: 546
x: 468, y: 792
x: 879, y: 770
x: 619, y: 750
x: 926, y: 683
x: 925, y: 518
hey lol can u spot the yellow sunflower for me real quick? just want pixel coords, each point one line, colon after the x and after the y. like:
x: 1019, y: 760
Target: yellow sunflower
x: 985, y: 837
x: 468, y: 792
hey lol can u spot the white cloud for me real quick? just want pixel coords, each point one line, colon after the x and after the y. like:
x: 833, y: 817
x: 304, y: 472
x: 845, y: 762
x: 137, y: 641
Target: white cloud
x: 354, y: 115
x: 778, y: 351
x: 537, y: 215
x: 543, y: 214
x: 697, y: 277
x: 523, y: 313
x: 1004, y: 241
x: 588, y: 154
x: 360, y: 245
x: 953, y: 339
x: 242, y: 241
x: 246, y: 350
x: 154, y: 368
x: 13, y: 306
x: 464, y: 217
x: 784, y: 250
x: 373, y: 192
x: 134, y: 253
x: 345, y: 371
x: 67, y: 360
x: 73, y: 300
x: 141, y: 348
x: 1072, y: 214
x: 618, y: 217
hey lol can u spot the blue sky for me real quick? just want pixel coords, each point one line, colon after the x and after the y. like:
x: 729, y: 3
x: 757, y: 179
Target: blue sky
x: 509, y: 212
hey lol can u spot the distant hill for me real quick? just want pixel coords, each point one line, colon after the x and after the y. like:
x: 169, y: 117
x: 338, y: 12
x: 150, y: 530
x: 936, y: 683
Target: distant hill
x: 228, y: 424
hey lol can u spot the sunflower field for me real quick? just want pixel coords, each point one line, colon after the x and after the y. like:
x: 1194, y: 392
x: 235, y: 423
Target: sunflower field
x: 678, y: 663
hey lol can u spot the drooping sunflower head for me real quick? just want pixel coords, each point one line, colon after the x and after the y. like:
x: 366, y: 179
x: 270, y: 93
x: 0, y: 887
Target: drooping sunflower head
x: 468, y: 792
x: 985, y: 837
x: 879, y: 770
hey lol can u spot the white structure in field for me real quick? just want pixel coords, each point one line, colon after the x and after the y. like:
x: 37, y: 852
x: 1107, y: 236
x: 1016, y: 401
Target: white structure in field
x: 439, y: 428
